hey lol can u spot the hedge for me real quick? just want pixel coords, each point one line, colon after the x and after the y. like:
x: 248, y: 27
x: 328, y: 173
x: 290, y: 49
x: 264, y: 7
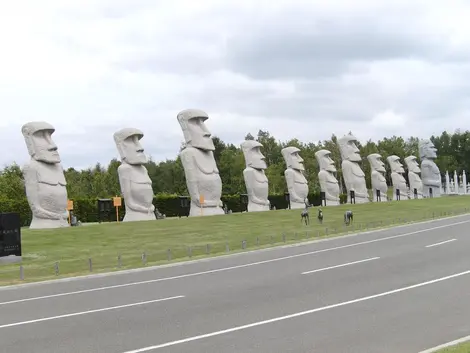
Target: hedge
x: 86, y: 210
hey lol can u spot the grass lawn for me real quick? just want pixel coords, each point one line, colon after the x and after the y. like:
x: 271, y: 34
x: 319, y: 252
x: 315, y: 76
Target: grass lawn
x: 114, y: 246
x: 460, y: 348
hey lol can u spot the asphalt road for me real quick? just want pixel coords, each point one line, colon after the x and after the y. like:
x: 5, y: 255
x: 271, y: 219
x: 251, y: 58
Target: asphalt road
x: 400, y: 290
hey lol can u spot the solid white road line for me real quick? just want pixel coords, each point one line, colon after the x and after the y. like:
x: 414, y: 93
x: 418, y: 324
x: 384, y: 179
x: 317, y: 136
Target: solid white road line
x: 88, y: 312
x: 231, y: 267
x: 447, y: 345
x: 343, y: 265
x: 442, y: 242
x: 302, y: 313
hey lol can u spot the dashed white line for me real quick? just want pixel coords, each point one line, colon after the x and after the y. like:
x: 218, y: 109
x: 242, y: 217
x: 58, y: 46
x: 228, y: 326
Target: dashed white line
x: 88, y: 312
x: 442, y: 242
x: 302, y: 313
x: 342, y: 265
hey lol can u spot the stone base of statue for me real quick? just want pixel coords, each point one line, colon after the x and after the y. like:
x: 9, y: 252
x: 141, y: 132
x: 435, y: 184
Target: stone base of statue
x: 359, y: 200
x: 195, y: 210
x: 12, y: 259
x: 132, y: 216
x: 42, y: 223
x: 436, y: 192
x: 256, y: 207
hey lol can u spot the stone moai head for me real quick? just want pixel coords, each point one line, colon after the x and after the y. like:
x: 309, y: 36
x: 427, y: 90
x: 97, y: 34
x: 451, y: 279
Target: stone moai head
x: 395, y: 164
x: 128, y: 144
x: 412, y: 164
x: 292, y: 158
x: 253, y: 156
x: 427, y: 149
x: 196, y: 133
x: 324, y: 161
x: 376, y: 163
x: 348, y: 148
x: 38, y: 138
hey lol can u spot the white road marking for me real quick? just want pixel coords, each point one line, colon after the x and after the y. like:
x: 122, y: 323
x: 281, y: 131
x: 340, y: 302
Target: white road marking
x: 88, y: 312
x: 447, y: 345
x: 228, y: 268
x: 442, y: 242
x: 342, y: 265
x: 291, y: 316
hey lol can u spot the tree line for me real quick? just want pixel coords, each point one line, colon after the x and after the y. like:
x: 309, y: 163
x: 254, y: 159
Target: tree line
x: 453, y: 150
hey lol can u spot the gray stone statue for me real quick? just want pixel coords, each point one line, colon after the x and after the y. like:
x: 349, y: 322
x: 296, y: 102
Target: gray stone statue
x: 354, y: 177
x: 430, y: 173
x: 328, y: 182
x: 256, y: 182
x: 377, y: 177
x: 297, y: 184
x: 398, y: 180
x: 136, y: 186
x: 414, y: 178
x: 46, y: 188
x: 201, y: 172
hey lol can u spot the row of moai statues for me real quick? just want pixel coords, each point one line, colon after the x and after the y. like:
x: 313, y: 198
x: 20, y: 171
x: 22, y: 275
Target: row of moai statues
x: 424, y: 181
x: 46, y: 190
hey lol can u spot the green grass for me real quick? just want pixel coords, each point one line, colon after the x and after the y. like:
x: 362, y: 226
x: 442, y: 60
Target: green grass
x: 165, y: 241
x: 460, y: 348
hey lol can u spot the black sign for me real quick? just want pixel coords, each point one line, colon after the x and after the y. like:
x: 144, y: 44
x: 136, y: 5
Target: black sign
x: 10, y: 234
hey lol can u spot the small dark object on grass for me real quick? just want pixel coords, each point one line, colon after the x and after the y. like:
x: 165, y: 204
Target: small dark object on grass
x: 320, y: 215
x: 348, y: 217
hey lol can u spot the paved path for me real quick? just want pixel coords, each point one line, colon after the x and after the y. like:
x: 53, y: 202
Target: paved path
x: 403, y: 290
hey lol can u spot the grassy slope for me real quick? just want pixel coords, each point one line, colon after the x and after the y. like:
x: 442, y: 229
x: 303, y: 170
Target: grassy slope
x: 72, y: 247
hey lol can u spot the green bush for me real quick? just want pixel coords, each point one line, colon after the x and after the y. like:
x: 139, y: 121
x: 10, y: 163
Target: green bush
x: 86, y: 210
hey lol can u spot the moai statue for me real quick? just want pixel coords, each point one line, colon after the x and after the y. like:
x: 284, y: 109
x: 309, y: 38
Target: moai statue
x: 430, y: 173
x: 414, y: 178
x: 136, y: 186
x: 398, y: 180
x: 201, y: 172
x: 45, y: 185
x: 377, y: 177
x: 256, y: 182
x: 297, y: 184
x: 328, y: 182
x: 354, y: 177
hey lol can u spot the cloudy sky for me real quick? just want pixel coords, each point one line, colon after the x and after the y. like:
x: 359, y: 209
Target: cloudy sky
x: 303, y: 69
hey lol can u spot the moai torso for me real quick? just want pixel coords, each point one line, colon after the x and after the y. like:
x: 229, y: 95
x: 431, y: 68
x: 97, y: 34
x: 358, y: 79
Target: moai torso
x: 47, y: 194
x: 136, y: 187
x: 378, y: 182
x: 330, y: 186
x: 203, y: 179
x: 415, y: 183
x: 258, y: 189
x: 399, y: 182
x: 297, y: 186
x: 431, y: 178
x: 354, y: 178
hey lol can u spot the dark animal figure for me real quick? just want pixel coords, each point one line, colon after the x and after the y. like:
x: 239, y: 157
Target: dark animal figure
x: 348, y: 217
x: 320, y: 215
x: 304, y: 216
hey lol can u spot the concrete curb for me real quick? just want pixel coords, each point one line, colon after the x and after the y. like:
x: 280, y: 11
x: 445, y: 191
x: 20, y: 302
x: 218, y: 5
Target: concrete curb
x: 213, y: 258
x: 447, y: 345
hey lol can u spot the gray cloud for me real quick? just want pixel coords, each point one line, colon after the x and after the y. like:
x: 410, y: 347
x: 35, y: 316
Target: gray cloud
x: 297, y: 69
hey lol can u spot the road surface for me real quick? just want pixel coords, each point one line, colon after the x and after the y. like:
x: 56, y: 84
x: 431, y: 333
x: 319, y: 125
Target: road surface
x: 402, y: 290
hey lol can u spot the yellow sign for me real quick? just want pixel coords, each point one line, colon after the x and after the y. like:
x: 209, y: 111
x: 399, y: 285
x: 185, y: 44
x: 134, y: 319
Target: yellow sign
x: 69, y: 205
x: 201, y: 199
x: 117, y: 201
